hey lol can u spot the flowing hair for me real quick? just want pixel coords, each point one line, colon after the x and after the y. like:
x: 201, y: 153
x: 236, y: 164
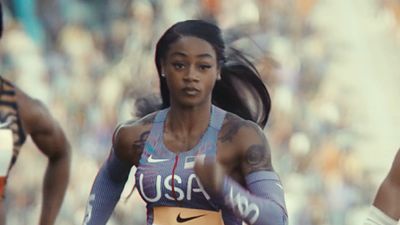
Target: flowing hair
x: 240, y: 89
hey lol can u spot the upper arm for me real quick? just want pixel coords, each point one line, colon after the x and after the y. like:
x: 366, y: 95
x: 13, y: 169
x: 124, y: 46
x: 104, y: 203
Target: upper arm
x: 388, y: 197
x: 254, y: 150
x: 394, y: 173
x: 129, y: 139
x: 45, y: 132
x: 250, y: 144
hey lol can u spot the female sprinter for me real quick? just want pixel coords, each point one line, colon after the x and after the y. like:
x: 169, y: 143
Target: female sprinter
x: 203, y: 158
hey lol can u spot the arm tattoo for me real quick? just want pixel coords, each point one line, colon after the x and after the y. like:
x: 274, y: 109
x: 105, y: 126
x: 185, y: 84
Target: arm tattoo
x: 255, y: 155
x: 232, y: 127
x: 139, y: 144
x: 258, y: 158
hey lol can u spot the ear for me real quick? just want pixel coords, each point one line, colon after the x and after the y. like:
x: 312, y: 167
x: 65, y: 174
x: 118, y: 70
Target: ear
x: 163, y: 66
x: 162, y: 71
x: 219, y: 74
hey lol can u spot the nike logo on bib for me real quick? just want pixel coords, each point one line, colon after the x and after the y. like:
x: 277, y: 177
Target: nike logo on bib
x: 151, y: 160
x: 179, y: 219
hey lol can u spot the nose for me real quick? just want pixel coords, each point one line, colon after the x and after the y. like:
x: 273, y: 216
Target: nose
x: 191, y: 75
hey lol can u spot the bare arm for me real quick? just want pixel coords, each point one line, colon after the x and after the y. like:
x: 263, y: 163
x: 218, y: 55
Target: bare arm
x: 260, y: 199
x: 255, y: 151
x: 50, y: 139
x: 266, y: 191
x: 128, y: 142
x: 388, y: 197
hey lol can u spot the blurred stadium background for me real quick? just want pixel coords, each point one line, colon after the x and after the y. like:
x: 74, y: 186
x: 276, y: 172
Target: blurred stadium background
x: 332, y: 67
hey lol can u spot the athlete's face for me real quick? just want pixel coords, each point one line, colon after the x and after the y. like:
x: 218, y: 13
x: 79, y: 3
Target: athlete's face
x: 190, y: 69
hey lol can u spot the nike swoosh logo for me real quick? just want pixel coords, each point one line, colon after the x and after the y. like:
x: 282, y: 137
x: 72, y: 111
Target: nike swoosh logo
x: 151, y: 160
x: 179, y: 219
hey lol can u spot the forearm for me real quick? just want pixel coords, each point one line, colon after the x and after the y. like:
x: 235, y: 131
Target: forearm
x: 264, y: 204
x: 106, y: 191
x: 54, y: 188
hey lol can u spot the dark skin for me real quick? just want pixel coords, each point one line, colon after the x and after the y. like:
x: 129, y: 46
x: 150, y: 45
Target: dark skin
x: 242, y: 147
x: 388, y: 197
x: 51, y: 141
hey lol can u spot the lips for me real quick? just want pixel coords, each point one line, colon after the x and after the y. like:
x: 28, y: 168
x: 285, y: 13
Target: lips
x: 190, y: 91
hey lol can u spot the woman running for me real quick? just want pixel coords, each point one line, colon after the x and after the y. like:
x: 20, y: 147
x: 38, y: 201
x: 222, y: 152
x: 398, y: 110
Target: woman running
x: 203, y: 158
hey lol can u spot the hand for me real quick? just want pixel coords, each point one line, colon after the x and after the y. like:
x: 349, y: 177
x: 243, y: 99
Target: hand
x: 210, y: 173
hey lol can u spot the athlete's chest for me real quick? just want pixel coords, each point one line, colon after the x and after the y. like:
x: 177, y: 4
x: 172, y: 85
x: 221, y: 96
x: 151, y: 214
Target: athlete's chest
x: 166, y: 178
x: 183, y: 143
x: 163, y: 176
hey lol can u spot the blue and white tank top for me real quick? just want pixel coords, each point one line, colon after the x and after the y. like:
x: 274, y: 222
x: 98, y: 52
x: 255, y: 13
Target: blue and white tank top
x: 165, y: 178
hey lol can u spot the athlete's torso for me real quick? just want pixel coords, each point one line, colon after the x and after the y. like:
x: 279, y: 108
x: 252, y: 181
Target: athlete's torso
x: 166, y: 179
x: 12, y: 135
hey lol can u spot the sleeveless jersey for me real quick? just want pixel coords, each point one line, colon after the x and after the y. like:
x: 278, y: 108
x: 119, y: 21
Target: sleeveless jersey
x: 12, y: 135
x: 165, y: 178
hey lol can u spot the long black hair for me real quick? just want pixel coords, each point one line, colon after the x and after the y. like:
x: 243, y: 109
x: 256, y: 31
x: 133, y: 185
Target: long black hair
x: 240, y: 89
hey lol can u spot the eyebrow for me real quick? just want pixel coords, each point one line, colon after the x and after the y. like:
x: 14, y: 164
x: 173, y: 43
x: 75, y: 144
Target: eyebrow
x: 203, y: 55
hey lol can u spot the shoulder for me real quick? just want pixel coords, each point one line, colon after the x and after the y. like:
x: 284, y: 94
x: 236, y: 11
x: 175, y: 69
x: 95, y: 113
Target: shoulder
x: 249, y: 143
x: 38, y: 122
x: 133, y: 128
x: 396, y: 162
x: 394, y: 173
x: 25, y: 101
x: 129, y: 138
x: 33, y: 113
x: 238, y: 130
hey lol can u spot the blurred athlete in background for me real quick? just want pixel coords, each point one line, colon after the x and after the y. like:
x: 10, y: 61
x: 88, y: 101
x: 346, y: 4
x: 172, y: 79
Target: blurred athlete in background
x: 385, y: 209
x: 21, y: 115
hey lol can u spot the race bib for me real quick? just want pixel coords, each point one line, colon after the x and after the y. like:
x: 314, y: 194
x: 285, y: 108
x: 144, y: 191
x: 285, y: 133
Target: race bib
x: 165, y: 215
x: 6, y: 150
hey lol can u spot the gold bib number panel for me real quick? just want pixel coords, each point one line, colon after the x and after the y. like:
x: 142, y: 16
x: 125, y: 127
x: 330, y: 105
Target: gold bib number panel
x: 186, y: 216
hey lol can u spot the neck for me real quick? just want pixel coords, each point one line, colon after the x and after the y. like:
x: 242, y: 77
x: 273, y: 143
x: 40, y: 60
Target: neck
x: 188, y: 120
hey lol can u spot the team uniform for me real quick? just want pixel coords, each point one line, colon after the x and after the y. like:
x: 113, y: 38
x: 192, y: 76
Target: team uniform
x: 167, y: 182
x: 12, y: 135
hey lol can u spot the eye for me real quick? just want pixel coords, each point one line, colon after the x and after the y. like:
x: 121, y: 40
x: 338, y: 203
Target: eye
x: 178, y: 65
x: 204, y: 67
